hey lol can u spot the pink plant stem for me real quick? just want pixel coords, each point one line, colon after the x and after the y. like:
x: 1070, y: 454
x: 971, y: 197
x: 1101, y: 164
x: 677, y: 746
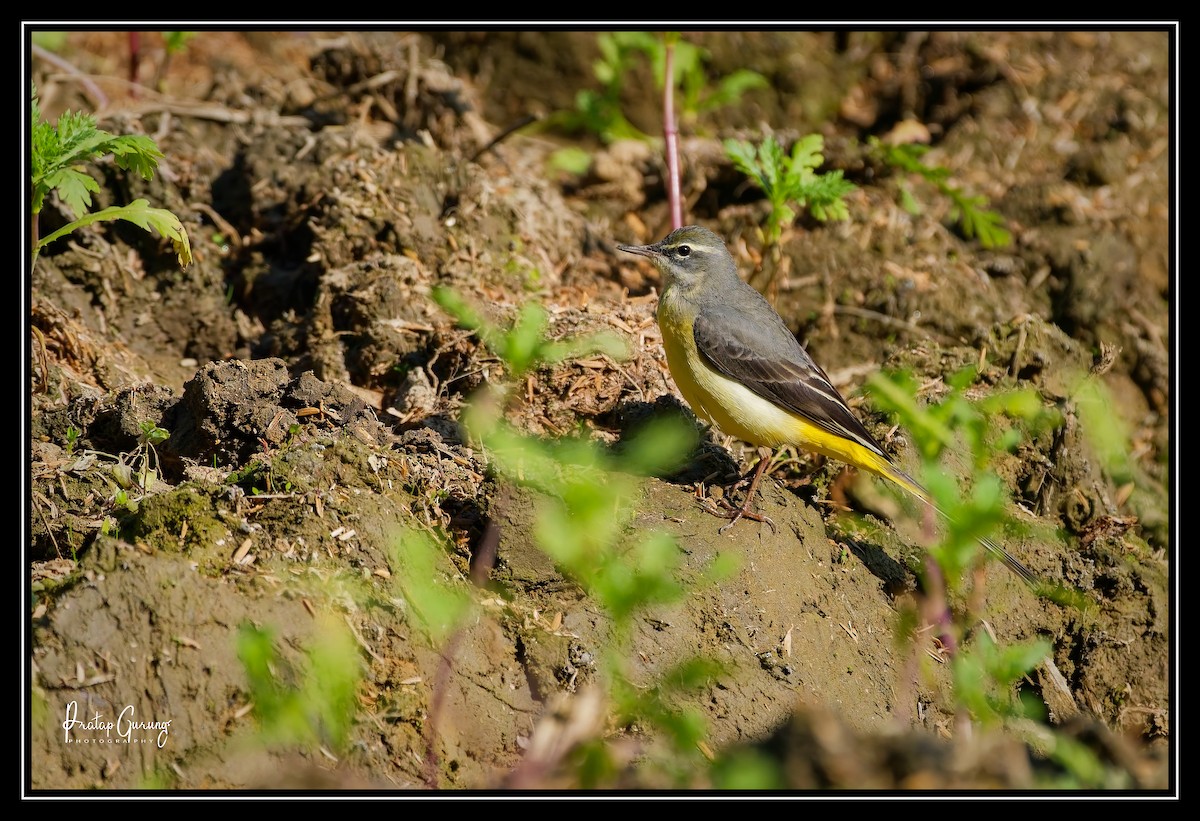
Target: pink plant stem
x: 937, y: 606
x: 937, y: 609
x: 671, y: 137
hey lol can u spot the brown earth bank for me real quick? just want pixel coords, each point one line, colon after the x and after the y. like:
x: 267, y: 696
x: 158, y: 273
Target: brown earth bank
x: 324, y: 579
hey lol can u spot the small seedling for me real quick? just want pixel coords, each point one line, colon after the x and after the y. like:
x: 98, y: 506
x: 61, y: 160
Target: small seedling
x: 969, y: 211
x: 524, y: 345
x: 789, y: 180
x: 73, y: 434
x: 59, y: 152
x: 151, y: 436
x: 697, y: 96
x: 121, y: 500
x: 174, y: 42
x: 599, y: 111
x: 138, y: 468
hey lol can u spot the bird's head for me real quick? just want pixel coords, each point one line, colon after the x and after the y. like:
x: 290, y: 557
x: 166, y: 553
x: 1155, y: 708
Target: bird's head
x: 686, y: 256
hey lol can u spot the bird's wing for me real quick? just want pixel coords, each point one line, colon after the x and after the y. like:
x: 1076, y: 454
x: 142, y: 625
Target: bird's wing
x: 767, y: 359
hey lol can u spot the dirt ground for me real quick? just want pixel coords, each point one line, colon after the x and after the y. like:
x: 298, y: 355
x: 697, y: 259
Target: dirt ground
x: 313, y: 391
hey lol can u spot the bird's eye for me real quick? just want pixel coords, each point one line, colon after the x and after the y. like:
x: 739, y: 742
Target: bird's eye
x: 684, y: 250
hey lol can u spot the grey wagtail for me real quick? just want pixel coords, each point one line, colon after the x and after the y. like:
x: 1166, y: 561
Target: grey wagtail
x: 741, y: 369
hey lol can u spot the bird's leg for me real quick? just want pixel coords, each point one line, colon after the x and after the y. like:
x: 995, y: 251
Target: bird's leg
x: 764, y: 458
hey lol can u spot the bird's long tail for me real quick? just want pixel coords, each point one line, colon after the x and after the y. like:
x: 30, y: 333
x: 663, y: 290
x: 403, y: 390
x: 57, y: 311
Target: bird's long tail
x: 890, y: 471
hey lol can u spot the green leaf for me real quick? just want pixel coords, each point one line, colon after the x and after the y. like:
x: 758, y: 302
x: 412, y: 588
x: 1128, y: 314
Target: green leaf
x: 660, y: 446
x: 601, y: 342
x: 985, y: 673
x: 1015, y: 661
x: 522, y: 342
x: 153, y: 434
x: 57, y: 156
x: 732, y: 87
x: 1106, y: 430
x: 74, y: 188
x: 438, y: 605
x: 176, y: 41
x: 748, y: 769
x: 895, y: 393
x: 792, y: 179
x: 689, y: 62
x: 573, y: 160
x: 806, y: 153
x: 988, y: 226
x: 141, y: 214
x: 772, y: 167
x: 690, y: 674
x: 971, y: 212
x: 135, y: 152
x: 825, y: 195
x: 908, y: 202
x: 743, y: 155
x: 308, y: 706
x: 524, y: 345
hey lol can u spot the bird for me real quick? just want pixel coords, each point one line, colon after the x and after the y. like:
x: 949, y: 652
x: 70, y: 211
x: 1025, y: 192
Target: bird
x: 740, y: 369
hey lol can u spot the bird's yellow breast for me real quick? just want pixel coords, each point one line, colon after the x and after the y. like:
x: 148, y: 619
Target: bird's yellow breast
x: 715, y: 397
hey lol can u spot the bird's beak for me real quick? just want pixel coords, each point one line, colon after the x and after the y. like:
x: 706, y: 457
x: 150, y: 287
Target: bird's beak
x: 640, y: 250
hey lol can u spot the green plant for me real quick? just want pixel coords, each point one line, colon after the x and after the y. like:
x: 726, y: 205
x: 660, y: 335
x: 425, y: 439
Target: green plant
x: 792, y: 179
x: 121, y: 500
x: 937, y: 427
x: 697, y: 96
x: 59, y: 152
x: 599, y: 111
x: 985, y: 674
x: 174, y: 42
x: 311, y: 704
x: 1106, y: 431
x: 524, y: 345
x: 970, y: 211
x: 588, y: 504
x: 437, y: 602
x: 589, y: 495
x: 984, y: 677
x: 73, y: 434
x: 143, y: 464
x: 138, y: 468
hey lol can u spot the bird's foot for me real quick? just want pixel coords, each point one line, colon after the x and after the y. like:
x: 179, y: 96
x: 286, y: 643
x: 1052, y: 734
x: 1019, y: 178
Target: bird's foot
x: 733, y: 513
